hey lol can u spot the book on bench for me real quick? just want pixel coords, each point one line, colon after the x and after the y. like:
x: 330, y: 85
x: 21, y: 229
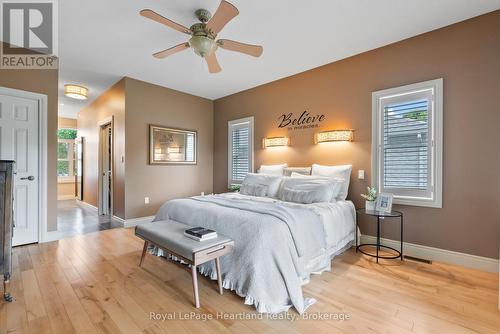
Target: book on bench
x: 200, y: 233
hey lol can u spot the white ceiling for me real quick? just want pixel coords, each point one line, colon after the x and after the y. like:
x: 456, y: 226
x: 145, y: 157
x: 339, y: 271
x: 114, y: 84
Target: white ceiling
x: 102, y: 41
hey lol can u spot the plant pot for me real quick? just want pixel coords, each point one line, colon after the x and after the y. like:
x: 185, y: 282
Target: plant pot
x: 370, y: 205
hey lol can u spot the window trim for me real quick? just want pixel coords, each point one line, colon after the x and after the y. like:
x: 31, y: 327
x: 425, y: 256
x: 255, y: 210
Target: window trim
x: 71, y: 159
x: 230, y: 124
x: 437, y: 141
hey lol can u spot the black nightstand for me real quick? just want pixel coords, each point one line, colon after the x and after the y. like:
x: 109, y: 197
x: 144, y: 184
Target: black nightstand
x: 378, y: 246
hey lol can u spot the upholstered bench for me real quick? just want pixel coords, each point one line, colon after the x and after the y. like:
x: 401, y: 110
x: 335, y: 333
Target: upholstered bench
x: 169, y: 236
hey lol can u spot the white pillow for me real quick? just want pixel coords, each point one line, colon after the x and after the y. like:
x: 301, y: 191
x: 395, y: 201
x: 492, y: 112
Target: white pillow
x: 272, y: 169
x: 339, y: 172
x: 306, y: 190
x: 336, y: 183
x: 271, y: 182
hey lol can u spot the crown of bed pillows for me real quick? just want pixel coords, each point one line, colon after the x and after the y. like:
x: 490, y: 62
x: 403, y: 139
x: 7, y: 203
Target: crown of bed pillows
x: 304, y: 185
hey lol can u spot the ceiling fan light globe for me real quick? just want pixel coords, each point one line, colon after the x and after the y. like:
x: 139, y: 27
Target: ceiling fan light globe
x: 202, y: 46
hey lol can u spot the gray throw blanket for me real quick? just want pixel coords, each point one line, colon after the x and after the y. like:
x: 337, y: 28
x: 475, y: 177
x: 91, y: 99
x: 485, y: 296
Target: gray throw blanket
x: 273, y: 242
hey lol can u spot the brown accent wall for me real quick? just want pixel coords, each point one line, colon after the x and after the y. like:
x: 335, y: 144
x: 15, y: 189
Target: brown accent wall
x: 42, y: 82
x: 110, y: 103
x: 467, y: 56
x: 150, y: 104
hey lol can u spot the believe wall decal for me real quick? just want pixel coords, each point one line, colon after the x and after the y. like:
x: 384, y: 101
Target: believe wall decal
x: 304, y: 121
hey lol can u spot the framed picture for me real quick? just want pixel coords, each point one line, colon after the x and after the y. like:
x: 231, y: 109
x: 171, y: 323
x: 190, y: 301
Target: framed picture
x: 384, y: 203
x: 172, y: 146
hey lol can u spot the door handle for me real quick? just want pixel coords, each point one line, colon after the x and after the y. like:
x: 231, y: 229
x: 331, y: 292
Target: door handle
x: 29, y: 178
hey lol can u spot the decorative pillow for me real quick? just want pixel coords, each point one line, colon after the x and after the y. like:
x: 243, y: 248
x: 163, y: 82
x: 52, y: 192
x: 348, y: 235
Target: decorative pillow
x: 300, y: 170
x: 336, y: 183
x: 272, y: 169
x: 254, y: 190
x: 271, y: 182
x: 339, y: 172
x: 306, y: 190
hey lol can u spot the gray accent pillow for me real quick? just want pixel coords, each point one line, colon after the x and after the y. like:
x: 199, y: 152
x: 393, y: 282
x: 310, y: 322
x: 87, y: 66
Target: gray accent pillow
x: 307, y: 191
x: 287, y: 171
x: 259, y: 190
x: 271, y: 182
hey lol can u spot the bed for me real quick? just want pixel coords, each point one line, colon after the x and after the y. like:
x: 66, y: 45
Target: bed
x: 278, y: 244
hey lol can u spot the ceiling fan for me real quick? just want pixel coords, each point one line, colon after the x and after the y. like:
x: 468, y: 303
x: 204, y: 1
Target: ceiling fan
x: 203, y: 35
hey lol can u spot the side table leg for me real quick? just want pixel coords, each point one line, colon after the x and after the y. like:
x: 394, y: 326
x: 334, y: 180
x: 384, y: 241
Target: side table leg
x: 356, y: 228
x: 378, y: 236
x: 195, y: 286
x: 401, y: 237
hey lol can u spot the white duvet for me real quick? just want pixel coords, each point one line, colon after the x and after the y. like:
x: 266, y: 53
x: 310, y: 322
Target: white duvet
x: 277, y: 244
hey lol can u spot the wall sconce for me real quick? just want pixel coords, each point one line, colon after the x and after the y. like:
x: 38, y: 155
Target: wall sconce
x: 173, y: 150
x: 275, y: 141
x: 76, y: 92
x: 334, y: 135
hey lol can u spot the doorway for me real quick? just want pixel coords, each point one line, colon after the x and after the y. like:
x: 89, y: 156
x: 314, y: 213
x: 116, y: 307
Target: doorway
x: 106, y: 167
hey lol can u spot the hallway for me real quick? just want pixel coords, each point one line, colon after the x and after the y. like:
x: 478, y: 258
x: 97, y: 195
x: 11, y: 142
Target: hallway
x: 75, y: 218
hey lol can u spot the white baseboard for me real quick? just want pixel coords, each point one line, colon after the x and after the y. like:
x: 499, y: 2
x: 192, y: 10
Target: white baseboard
x: 136, y: 221
x: 65, y: 197
x: 437, y: 254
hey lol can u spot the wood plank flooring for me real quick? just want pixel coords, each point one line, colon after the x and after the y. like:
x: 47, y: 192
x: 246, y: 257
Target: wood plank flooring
x: 92, y: 284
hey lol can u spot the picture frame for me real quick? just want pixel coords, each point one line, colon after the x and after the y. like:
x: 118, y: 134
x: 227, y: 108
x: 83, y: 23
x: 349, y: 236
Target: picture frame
x: 384, y: 202
x: 172, y: 146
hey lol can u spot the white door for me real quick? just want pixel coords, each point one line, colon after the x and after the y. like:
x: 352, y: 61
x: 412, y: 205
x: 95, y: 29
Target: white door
x: 19, y: 142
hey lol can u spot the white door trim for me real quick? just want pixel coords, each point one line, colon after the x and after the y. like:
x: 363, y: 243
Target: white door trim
x: 42, y: 147
x: 100, y: 124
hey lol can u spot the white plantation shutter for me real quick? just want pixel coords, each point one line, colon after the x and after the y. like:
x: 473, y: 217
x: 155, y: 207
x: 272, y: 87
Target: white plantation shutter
x: 240, y: 149
x: 406, y: 146
x: 407, y: 143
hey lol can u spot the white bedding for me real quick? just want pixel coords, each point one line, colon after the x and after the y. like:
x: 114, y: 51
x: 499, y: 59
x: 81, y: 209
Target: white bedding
x: 271, y: 260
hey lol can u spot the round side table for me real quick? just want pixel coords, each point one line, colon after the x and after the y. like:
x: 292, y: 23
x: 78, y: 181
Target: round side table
x: 380, y: 216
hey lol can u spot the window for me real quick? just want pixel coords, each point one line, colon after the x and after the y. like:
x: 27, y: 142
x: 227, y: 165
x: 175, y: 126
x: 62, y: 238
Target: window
x: 407, y: 143
x: 240, y: 149
x: 65, y: 155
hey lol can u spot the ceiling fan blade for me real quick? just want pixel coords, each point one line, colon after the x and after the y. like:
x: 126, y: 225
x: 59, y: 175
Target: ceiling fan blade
x: 213, y: 64
x: 225, y: 13
x: 249, y: 49
x: 171, y: 51
x: 150, y: 14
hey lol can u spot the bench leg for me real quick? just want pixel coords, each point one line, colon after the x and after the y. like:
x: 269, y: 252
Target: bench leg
x: 195, y: 286
x: 144, y: 251
x: 219, y: 276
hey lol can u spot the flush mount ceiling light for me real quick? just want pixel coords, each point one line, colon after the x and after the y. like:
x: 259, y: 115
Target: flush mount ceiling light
x: 276, y: 141
x: 76, y: 92
x: 334, y: 135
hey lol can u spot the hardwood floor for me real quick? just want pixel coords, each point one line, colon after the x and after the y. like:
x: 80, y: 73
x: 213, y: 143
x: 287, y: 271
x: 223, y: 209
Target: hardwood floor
x: 92, y: 284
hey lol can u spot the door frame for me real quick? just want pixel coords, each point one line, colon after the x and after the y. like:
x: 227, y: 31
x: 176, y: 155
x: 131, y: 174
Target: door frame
x: 103, y: 122
x: 42, y: 149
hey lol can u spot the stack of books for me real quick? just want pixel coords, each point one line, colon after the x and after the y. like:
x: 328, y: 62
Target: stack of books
x: 200, y: 233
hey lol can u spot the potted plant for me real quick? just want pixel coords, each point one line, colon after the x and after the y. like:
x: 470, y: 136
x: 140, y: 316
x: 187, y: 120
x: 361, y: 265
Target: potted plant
x: 370, y: 197
x: 235, y: 188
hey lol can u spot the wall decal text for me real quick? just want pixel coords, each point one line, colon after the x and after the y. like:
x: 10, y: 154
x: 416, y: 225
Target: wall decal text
x: 304, y: 121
